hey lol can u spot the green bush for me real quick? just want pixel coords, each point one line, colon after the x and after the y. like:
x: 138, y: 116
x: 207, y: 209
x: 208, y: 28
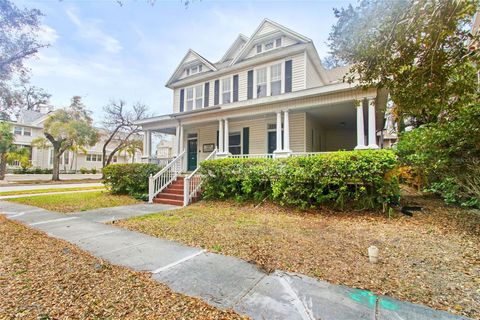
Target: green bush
x: 446, y: 156
x: 83, y: 170
x: 94, y: 170
x: 359, y: 179
x: 129, y: 178
x: 32, y: 171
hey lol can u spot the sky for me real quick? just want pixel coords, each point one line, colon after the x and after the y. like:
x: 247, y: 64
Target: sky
x: 101, y: 50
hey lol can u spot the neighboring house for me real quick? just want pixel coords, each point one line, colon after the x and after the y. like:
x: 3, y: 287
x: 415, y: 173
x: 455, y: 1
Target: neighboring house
x: 269, y: 95
x: 29, y: 126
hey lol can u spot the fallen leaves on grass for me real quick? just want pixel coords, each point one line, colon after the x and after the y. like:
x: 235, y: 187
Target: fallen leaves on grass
x: 431, y: 258
x: 75, y: 202
x: 46, y: 278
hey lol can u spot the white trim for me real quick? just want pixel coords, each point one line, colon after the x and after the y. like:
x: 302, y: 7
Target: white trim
x: 180, y: 66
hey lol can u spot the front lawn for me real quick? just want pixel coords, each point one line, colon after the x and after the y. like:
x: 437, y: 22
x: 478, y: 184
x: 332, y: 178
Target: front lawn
x: 431, y: 258
x: 37, y: 191
x: 47, y: 278
x: 74, y: 202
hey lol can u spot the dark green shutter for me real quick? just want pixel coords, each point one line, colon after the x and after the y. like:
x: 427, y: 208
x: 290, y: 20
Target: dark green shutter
x: 246, y: 140
x: 250, y: 84
x: 182, y: 94
x: 288, y: 76
x: 217, y: 139
x: 235, y: 88
x: 206, y: 94
x: 216, y: 93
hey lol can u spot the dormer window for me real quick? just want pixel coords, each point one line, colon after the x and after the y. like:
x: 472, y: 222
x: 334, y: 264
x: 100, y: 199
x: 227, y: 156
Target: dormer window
x: 259, y: 48
x: 194, y: 69
x: 278, y: 42
x: 269, y: 45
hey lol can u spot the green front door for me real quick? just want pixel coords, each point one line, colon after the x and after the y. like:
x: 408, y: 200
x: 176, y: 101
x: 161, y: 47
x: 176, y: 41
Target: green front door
x: 192, y: 154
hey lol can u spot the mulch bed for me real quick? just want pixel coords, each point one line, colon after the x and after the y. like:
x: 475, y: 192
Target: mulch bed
x: 431, y: 258
x: 46, y: 278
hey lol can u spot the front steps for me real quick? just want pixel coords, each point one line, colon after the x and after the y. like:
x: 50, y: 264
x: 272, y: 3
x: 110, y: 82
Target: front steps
x: 173, y: 194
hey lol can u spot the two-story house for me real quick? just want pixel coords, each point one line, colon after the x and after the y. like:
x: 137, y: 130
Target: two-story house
x: 268, y: 96
x: 29, y: 126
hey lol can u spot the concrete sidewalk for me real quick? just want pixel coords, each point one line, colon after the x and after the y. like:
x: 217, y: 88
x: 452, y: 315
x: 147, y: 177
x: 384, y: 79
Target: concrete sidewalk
x: 222, y: 281
x: 8, y: 188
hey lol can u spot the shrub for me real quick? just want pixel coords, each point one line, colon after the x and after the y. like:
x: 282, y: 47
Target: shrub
x: 32, y: 171
x: 83, y: 170
x: 445, y: 156
x: 94, y: 170
x: 360, y: 179
x: 129, y: 178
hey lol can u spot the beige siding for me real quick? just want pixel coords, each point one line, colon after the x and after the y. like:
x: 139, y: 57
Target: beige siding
x: 287, y: 41
x: 211, y: 97
x: 242, y: 85
x: 340, y: 139
x: 176, y: 100
x: 298, y: 72
x: 258, y: 129
x: 312, y: 76
x: 266, y: 28
x: 314, y: 135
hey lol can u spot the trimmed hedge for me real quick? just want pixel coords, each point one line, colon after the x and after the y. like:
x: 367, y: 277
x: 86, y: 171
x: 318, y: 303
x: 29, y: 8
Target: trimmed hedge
x: 365, y: 179
x: 129, y: 178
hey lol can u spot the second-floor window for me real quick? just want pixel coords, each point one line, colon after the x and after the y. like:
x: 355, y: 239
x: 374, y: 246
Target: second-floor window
x: 198, y: 96
x: 22, y: 131
x: 189, y: 99
x: 17, y: 131
x: 276, y: 79
x: 261, y: 82
x: 226, y: 90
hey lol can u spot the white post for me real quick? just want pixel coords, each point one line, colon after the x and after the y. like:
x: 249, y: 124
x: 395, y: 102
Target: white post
x: 360, y: 129
x: 177, y: 140
x: 183, y: 165
x: 145, y: 143
x: 279, y: 132
x: 227, y: 138
x: 220, y: 136
x: 186, y: 191
x: 372, y: 131
x: 150, y: 189
x: 286, y: 132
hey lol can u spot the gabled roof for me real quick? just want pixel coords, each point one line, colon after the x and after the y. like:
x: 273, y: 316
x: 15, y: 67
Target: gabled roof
x: 234, y: 48
x: 260, y: 32
x: 190, y: 54
x: 28, y: 116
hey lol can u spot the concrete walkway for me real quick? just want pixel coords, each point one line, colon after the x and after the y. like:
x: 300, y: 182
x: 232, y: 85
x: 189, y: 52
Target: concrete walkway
x: 222, y: 281
x: 8, y: 188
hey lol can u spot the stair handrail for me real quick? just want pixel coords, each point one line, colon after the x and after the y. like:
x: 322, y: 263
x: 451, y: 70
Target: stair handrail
x: 159, y: 181
x: 193, y: 182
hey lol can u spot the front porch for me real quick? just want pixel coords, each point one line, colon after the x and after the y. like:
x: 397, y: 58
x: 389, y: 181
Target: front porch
x: 301, y: 131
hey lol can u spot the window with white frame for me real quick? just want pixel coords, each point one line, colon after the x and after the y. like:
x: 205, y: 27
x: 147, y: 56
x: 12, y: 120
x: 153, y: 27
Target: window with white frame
x: 226, y: 90
x: 276, y: 79
x: 261, y: 82
x: 268, y: 45
x: 94, y: 157
x: 189, y: 99
x: 278, y: 42
x: 259, y: 48
x: 27, y: 132
x: 17, y: 131
x: 194, y: 69
x: 198, y: 96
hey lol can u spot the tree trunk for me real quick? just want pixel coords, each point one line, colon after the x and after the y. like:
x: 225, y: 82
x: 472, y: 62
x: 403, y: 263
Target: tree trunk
x: 3, y: 165
x: 56, y: 164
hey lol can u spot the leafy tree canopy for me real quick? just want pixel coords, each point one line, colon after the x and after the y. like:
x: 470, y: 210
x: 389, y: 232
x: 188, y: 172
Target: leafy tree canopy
x: 420, y: 50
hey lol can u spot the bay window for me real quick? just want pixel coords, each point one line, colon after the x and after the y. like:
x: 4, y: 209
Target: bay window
x: 261, y: 82
x: 198, y: 96
x: 226, y: 90
x: 276, y: 79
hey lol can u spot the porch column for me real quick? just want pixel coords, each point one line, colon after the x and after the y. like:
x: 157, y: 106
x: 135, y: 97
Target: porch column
x: 147, y: 144
x: 227, y: 136
x: 279, y: 132
x: 372, y: 132
x: 177, y: 140
x: 180, y: 143
x: 220, y: 136
x: 360, y: 129
x: 286, y: 132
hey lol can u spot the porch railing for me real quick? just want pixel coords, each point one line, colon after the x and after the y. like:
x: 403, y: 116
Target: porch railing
x: 306, y: 154
x: 193, y: 182
x: 161, y: 161
x: 165, y: 176
x: 252, y: 156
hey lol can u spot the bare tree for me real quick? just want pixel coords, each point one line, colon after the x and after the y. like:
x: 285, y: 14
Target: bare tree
x: 119, y: 122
